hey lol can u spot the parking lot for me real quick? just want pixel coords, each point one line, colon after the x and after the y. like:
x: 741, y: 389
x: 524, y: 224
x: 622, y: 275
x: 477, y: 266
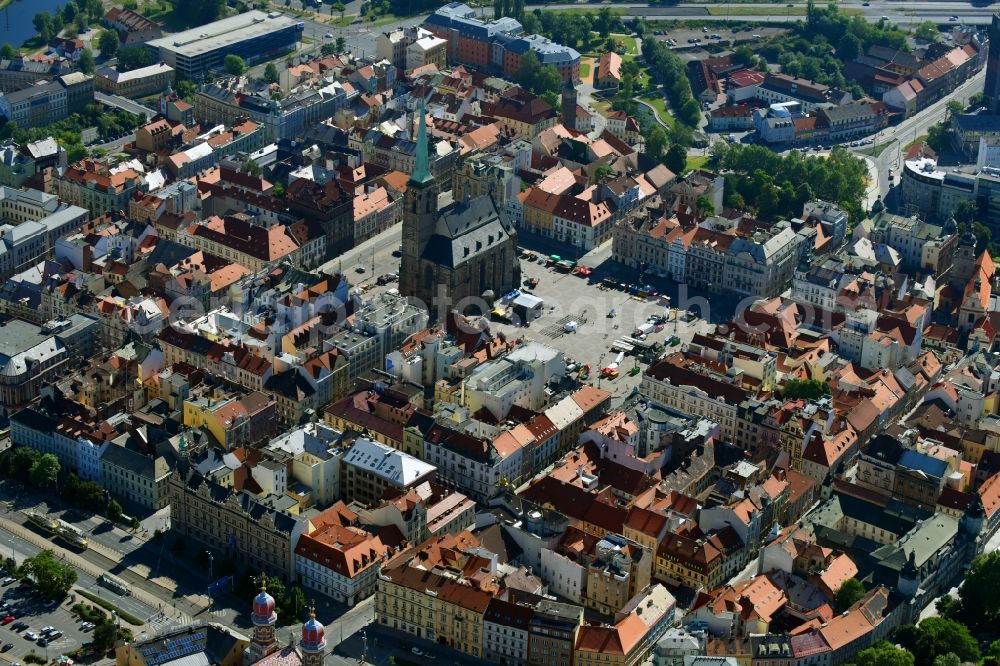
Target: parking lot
x: 30, y: 615
x: 585, y: 301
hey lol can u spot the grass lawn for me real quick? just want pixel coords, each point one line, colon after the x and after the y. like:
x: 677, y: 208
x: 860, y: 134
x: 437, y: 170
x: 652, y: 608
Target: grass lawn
x: 584, y: 70
x: 629, y: 42
x: 696, y: 162
x: 877, y: 149
x: 602, y: 106
x: 660, y: 104
x: 757, y: 11
x: 343, y: 22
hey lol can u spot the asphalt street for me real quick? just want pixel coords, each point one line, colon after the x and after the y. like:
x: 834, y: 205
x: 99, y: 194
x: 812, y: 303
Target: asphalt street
x: 895, y: 138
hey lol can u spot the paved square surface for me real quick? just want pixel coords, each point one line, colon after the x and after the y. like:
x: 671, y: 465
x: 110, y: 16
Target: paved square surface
x: 569, y: 298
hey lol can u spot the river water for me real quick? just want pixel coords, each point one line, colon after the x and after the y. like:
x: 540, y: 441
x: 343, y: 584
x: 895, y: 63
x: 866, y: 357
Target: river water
x: 15, y: 19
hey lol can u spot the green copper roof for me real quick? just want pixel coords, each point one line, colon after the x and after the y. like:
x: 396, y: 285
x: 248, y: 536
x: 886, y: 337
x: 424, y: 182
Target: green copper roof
x: 421, y: 172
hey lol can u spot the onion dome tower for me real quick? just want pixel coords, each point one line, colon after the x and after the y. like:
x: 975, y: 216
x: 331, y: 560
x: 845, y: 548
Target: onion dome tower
x: 264, y: 619
x: 313, y: 643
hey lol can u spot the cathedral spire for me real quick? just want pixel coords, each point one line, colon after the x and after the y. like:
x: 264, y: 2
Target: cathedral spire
x: 421, y: 172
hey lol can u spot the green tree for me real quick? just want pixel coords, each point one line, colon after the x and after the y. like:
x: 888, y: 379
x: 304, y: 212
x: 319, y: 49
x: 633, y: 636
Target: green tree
x: 81, y: 21
x: 518, y: 9
x: 656, y: 143
x: 86, y: 62
x: 604, y: 22
x: 184, y: 89
x: 744, y: 55
x: 43, y: 25
x: 849, y: 47
x: 115, y: 511
x: 69, y: 11
x: 271, y: 73
x: 44, y: 472
x: 105, y: 635
x: 94, y: 9
x: 251, y: 168
x: 980, y: 592
x: 938, y: 136
x: 883, y: 653
x: 133, y: 57
x: 954, y: 108
x: 53, y: 579
x: 292, y: 609
x: 950, y: 659
x: 57, y: 23
x: 935, y: 637
x: 7, y: 52
x: 497, y: 9
x: 134, y: 524
x: 108, y: 43
x: 703, y: 206
x: 965, y: 214
x: 676, y: 159
x: 339, y: 7
x: 233, y: 64
x: 198, y: 12
x: 949, y: 607
x: 17, y: 462
x: 328, y: 49
x: 811, y: 389
x: 851, y: 591
x: 975, y: 99
x: 927, y: 31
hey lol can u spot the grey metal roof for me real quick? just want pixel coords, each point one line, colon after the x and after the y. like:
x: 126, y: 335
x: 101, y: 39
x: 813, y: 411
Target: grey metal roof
x: 465, y: 230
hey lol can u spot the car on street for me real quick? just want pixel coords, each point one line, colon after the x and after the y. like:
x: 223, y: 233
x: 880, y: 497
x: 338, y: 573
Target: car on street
x: 359, y: 269
x: 397, y: 253
x: 328, y: 35
x: 417, y: 652
x: 953, y: 18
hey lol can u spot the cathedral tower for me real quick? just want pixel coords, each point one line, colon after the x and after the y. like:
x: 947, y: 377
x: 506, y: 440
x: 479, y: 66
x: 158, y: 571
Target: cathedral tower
x: 569, y: 101
x: 419, y: 216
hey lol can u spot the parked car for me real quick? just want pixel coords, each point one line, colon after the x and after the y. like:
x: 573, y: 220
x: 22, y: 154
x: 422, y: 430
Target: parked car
x: 8, y: 619
x: 417, y: 652
x: 31, y: 636
x: 6, y: 646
